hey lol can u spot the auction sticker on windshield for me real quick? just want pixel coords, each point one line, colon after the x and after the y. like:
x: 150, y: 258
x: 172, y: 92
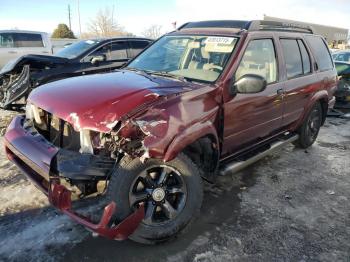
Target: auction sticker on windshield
x: 220, y: 44
x: 219, y: 40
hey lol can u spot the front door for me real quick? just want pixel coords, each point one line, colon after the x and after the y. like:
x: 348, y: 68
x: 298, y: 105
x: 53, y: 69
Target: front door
x: 115, y: 55
x: 254, y: 116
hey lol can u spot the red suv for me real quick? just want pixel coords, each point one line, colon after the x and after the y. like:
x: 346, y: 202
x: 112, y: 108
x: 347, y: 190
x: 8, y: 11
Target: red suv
x: 206, y: 99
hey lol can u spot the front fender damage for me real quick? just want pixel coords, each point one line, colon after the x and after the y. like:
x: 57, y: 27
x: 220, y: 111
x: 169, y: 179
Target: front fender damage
x: 135, y: 136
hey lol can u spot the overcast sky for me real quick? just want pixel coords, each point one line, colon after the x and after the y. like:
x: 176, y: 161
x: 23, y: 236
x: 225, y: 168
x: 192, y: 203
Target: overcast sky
x: 136, y: 15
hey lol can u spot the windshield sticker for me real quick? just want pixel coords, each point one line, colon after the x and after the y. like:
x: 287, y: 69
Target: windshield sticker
x: 219, y: 40
x: 90, y: 42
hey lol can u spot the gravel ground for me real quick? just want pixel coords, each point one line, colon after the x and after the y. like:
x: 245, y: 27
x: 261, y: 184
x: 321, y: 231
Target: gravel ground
x: 291, y: 206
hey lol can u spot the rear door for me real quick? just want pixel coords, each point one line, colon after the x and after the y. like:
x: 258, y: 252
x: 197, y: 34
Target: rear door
x: 250, y: 118
x: 137, y: 46
x: 299, y: 78
x: 30, y: 43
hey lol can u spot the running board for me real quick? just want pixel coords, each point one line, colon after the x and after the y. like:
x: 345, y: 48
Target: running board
x: 236, y: 166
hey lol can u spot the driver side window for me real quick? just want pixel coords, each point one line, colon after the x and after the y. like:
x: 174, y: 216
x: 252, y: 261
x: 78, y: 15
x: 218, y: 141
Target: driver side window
x: 111, y: 52
x: 259, y: 59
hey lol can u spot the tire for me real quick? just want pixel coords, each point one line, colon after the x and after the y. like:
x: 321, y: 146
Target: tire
x: 309, y: 130
x: 181, y: 183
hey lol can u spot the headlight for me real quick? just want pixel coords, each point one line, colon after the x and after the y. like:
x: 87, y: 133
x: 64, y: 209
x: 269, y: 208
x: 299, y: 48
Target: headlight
x: 29, y: 112
x: 85, y: 142
x: 32, y: 112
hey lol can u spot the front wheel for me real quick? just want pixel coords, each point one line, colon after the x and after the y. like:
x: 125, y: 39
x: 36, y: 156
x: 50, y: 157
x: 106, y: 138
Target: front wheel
x: 171, y: 192
x: 308, y: 132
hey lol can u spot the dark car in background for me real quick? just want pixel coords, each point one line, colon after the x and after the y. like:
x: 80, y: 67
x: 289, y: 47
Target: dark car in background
x: 20, y: 76
x: 343, y: 92
x: 341, y: 56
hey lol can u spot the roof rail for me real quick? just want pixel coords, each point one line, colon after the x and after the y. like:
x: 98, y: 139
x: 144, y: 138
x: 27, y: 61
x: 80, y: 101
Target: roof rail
x: 255, y: 25
x: 240, y: 24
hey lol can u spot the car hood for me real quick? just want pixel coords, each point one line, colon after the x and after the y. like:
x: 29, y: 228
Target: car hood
x: 43, y: 60
x: 97, y: 102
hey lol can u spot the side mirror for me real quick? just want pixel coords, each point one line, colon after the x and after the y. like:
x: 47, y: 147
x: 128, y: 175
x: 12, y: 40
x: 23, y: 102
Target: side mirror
x: 96, y: 59
x: 248, y: 84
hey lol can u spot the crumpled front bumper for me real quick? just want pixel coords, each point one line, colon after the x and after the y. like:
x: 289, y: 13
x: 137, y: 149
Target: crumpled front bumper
x: 16, y: 89
x: 33, y: 155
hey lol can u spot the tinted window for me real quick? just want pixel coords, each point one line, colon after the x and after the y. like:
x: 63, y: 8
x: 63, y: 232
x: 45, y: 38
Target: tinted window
x: 118, y: 51
x: 6, y: 40
x: 292, y: 57
x: 320, y: 51
x: 112, y: 51
x: 345, y: 57
x: 77, y: 49
x: 259, y: 59
x: 28, y: 40
x: 138, y: 46
x: 305, y: 57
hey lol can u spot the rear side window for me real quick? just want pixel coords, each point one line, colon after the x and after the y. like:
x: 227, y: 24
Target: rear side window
x: 6, y: 40
x: 305, y: 57
x: 28, y: 40
x: 292, y: 57
x: 259, y: 59
x: 320, y: 50
x: 118, y: 51
x: 138, y: 46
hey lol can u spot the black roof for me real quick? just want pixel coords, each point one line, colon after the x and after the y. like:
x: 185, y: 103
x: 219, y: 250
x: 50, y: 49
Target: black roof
x: 106, y: 39
x: 254, y: 25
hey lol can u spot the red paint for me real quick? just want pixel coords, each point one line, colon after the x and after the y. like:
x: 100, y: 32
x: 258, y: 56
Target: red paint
x: 94, y: 102
x: 60, y: 197
x: 33, y: 157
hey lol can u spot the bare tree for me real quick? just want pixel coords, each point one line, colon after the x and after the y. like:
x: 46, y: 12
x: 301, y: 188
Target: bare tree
x: 154, y: 31
x: 103, y: 25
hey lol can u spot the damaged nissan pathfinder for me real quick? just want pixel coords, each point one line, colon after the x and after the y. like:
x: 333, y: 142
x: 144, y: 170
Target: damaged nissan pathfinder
x: 207, y: 99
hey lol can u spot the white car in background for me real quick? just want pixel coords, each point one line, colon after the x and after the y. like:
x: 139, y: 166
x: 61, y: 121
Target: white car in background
x: 16, y: 43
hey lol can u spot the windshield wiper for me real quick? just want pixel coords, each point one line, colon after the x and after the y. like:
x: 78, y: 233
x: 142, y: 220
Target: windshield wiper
x: 167, y: 74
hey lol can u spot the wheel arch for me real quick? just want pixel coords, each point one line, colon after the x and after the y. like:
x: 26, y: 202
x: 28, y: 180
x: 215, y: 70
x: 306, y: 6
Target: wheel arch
x: 199, y: 142
x: 322, y: 98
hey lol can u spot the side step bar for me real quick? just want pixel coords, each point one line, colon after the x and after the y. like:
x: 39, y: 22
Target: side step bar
x: 236, y: 166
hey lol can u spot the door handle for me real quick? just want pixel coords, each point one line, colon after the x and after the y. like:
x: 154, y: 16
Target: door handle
x: 280, y: 91
x: 12, y: 52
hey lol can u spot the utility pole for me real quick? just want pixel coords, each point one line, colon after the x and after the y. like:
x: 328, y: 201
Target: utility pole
x: 69, y: 18
x: 79, y: 19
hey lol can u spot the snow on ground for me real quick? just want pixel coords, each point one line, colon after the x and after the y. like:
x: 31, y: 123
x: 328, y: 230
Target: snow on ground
x: 291, y: 206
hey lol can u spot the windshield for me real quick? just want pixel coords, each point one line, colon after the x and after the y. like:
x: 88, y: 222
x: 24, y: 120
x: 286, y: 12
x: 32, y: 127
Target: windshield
x: 343, y: 56
x: 76, y: 49
x: 200, y: 58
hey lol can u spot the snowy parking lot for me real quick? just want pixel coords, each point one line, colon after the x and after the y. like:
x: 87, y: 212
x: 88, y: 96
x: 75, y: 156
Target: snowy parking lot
x: 291, y: 206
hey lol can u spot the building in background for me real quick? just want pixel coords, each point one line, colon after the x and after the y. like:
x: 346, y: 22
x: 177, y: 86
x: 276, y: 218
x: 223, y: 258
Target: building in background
x: 336, y: 37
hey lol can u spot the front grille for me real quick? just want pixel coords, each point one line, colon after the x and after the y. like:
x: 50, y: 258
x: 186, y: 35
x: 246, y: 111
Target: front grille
x: 59, y: 132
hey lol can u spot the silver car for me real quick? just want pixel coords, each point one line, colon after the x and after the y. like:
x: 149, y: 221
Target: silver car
x: 16, y: 43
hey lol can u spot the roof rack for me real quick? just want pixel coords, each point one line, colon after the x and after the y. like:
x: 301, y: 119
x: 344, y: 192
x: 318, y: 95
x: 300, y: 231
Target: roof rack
x: 279, y: 26
x: 254, y: 25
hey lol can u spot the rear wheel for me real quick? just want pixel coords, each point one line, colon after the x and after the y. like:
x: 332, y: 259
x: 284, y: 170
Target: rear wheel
x: 309, y: 130
x: 171, y: 192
